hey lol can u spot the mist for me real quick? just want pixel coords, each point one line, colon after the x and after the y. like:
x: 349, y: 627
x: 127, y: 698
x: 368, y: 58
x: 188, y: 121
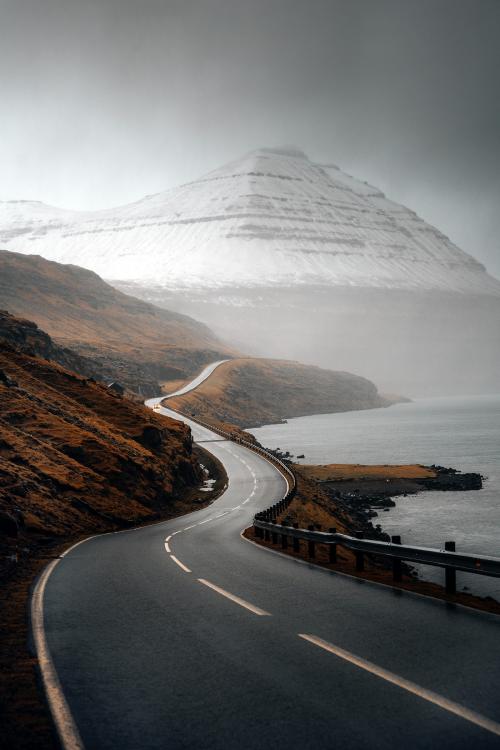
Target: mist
x: 104, y: 102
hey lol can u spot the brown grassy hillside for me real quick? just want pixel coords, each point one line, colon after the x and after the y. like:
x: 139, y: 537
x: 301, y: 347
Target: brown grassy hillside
x: 76, y: 458
x: 134, y: 341
x: 251, y: 392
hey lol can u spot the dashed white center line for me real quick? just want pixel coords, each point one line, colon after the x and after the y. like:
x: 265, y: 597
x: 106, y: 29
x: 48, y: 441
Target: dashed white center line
x: 181, y: 565
x: 235, y: 599
x: 242, y: 603
x: 411, y: 687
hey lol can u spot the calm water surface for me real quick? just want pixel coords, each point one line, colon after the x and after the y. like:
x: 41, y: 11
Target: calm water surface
x: 462, y: 432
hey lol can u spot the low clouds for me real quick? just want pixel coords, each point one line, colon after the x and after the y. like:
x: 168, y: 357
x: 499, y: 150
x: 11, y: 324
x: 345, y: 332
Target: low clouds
x: 103, y: 102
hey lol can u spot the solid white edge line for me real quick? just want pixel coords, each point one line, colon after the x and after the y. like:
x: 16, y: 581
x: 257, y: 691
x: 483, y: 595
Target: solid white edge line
x: 61, y: 714
x: 411, y: 687
x: 235, y: 599
x: 181, y: 565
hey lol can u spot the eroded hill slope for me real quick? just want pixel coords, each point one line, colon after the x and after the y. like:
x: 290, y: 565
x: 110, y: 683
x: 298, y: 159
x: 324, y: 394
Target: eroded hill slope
x: 129, y: 339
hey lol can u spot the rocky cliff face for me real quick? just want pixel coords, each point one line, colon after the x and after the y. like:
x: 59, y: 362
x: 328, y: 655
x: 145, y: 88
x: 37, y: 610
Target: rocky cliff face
x: 75, y: 457
x: 25, y: 336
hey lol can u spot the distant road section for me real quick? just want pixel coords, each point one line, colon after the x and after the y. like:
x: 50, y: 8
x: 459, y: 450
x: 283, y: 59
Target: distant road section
x: 204, y: 374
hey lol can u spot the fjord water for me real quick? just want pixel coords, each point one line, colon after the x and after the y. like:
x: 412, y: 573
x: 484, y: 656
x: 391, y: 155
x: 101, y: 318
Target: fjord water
x: 461, y: 432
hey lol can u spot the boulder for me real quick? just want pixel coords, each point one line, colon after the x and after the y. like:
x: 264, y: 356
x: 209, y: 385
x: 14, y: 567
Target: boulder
x: 152, y: 437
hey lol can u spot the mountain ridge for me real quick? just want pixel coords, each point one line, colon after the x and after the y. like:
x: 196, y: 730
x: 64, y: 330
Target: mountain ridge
x: 272, y: 215
x: 126, y: 338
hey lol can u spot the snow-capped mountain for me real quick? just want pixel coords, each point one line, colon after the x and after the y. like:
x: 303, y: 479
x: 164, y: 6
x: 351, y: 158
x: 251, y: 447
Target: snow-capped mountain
x: 272, y: 218
x: 286, y: 258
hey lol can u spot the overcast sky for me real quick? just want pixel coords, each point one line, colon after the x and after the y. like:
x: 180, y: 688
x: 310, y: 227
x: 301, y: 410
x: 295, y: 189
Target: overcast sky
x: 104, y: 101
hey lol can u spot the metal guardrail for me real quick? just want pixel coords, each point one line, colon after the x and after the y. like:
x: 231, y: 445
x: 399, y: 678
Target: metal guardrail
x: 266, y: 528
x: 290, y: 476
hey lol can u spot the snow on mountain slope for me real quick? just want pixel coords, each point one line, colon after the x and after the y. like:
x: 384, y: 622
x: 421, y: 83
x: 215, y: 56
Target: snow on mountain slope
x: 272, y: 218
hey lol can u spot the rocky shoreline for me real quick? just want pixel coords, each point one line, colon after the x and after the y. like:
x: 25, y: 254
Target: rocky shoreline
x: 364, y: 498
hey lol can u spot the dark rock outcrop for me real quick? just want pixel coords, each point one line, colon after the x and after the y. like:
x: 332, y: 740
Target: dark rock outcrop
x: 8, y: 525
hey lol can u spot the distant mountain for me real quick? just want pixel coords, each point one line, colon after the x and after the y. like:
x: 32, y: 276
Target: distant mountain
x: 127, y: 339
x: 272, y: 218
x: 292, y: 259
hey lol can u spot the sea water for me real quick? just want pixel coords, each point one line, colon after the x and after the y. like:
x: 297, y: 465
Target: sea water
x: 460, y: 432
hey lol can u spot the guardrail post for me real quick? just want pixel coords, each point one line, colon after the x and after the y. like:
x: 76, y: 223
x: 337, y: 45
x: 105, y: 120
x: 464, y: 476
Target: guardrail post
x: 360, y: 558
x: 296, y: 540
x: 397, y: 570
x: 267, y: 535
x: 284, y: 538
x: 332, y: 552
x: 450, y: 573
x: 311, y: 545
x: 274, y: 534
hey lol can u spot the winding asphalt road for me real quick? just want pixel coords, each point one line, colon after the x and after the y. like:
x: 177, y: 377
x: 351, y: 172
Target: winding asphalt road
x: 185, y: 635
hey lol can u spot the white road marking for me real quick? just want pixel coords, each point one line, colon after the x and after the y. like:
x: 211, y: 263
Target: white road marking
x: 411, y: 687
x: 189, y: 527
x: 168, y: 538
x: 181, y: 565
x: 66, y: 727
x: 167, y: 547
x: 235, y: 599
